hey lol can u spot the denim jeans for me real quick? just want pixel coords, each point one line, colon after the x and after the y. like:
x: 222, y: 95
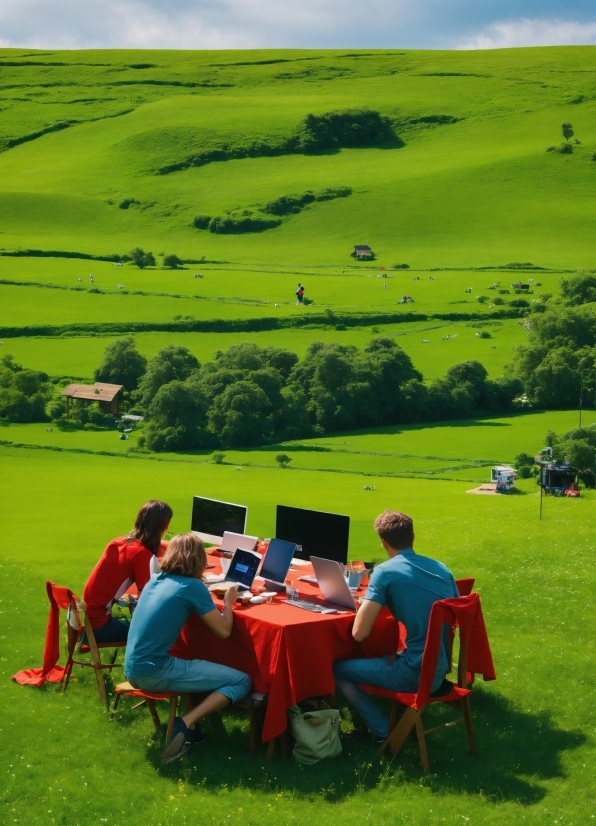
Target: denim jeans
x: 195, y: 676
x: 114, y: 630
x: 395, y: 676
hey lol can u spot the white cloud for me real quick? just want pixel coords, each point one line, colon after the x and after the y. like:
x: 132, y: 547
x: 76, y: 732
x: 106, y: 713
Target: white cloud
x: 524, y: 32
x: 196, y: 24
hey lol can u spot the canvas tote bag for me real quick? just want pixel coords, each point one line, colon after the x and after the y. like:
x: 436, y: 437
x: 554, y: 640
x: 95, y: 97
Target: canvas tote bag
x: 316, y: 734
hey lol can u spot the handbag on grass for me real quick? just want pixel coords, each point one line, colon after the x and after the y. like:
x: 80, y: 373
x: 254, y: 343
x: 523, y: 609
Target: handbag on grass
x: 316, y: 734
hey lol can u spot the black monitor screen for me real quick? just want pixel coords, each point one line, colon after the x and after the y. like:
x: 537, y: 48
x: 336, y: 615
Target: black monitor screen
x: 212, y: 518
x: 277, y: 560
x: 320, y: 534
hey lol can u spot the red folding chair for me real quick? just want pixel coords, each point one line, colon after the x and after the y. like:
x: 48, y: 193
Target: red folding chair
x: 459, y: 613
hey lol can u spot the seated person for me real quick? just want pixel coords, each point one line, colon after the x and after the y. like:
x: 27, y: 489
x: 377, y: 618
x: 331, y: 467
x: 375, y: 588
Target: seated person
x: 409, y: 585
x: 127, y: 560
x: 166, y: 603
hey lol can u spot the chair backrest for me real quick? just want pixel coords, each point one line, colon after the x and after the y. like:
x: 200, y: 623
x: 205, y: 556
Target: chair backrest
x: 464, y: 586
x: 458, y: 613
x: 65, y: 599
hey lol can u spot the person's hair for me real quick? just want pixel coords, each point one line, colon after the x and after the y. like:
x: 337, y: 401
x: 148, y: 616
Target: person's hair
x: 396, y: 528
x: 185, y: 556
x: 152, y: 520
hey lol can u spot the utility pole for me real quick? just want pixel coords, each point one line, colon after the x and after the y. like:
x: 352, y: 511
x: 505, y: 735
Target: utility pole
x: 581, y: 395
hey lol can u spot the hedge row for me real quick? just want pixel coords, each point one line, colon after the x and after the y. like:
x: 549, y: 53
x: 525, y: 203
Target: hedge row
x: 252, y: 325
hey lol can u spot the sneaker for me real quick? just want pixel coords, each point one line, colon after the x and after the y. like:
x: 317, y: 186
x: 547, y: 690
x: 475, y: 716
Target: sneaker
x: 197, y: 734
x: 180, y: 742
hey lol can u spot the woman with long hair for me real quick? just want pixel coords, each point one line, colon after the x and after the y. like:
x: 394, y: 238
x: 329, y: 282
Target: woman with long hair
x: 126, y: 560
x: 168, y: 600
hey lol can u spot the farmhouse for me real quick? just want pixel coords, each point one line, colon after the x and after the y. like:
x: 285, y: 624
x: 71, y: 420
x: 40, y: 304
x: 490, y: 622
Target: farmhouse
x: 107, y: 396
x: 362, y: 251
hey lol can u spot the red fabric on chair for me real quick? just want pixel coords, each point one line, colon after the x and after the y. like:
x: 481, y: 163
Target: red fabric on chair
x: 464, y: 586
x: 51, y: 672
x: 466, y: 612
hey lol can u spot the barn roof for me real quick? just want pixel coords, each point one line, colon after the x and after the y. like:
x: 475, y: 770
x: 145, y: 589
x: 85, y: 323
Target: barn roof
x: 98, y: 392
x: 361, y: 247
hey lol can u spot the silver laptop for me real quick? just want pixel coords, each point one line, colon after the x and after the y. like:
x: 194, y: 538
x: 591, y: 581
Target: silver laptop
x: 332, y: 582
x: 231, y: 542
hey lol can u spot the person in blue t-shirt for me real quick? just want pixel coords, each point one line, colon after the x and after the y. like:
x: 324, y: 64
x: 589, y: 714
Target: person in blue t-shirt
x: 167, y: 601
x: 408, y: 584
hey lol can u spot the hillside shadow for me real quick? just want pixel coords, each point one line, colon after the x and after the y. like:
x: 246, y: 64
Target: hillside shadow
x: 517, y: 752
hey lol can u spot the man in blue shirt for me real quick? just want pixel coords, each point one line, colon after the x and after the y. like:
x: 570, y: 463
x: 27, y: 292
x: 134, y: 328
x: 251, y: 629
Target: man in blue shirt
x: 408, y: 584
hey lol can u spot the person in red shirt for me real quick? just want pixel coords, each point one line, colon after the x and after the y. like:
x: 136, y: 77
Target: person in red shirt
x: 126, y: 560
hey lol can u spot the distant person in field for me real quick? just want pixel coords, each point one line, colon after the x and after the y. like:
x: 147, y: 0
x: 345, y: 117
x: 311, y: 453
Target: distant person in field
x: 408, y: 584
x: 166, y: 603
x: 126, y: 560
x: 300, y: 294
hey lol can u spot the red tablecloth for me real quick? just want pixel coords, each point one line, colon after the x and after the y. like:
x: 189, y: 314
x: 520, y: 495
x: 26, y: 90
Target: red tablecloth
x: 287, y: 652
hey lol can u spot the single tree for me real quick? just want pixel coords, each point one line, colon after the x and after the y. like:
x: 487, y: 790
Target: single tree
x: 283, y: 460
x: 172, y: 262
x: 567, y: 130
x: 122, y: 364
x: 217, y: 457
x: 141, y: 258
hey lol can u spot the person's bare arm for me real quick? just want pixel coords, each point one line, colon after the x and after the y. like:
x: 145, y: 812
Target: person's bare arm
x: 365, y: 619
x: 221, y: 622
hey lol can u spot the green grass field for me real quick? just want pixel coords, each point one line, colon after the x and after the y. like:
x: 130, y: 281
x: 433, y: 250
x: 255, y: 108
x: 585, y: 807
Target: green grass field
x: 533, y: 725
x: 82, y: 131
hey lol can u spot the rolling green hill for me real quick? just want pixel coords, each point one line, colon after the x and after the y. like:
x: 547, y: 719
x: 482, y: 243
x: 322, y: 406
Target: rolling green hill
x: 471, y: 184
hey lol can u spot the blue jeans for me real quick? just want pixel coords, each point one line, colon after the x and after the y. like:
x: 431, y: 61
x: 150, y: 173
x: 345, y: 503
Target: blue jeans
x: 395, y: 676
x: 114, y: 630
x: 194, y: 677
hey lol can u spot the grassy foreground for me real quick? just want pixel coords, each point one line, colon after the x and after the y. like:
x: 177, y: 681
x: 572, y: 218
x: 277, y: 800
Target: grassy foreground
x: 60, y: 754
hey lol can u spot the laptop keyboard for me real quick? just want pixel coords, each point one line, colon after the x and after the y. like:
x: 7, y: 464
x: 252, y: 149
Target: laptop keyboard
x: 303, y: 603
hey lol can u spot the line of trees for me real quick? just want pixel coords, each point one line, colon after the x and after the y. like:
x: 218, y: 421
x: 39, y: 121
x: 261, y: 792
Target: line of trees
x: 249, y: 395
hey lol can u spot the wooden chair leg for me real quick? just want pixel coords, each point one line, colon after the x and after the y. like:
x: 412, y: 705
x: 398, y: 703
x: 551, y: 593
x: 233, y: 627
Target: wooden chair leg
x: 114, y: 657
x: 96, y: 659
x: 398, y: 736
x: 153, y: 710
x: 116, y: 701
x: 253, y: 729
x: 270, y: 750
x: 465, y: 704
x: 66, y: 678
x: 422, y: 744
x: 284, y: 743
x: 172, y: 716
x: 393, y: 715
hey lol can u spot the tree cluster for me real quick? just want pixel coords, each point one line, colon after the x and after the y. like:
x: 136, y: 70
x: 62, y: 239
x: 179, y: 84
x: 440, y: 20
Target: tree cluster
x: 558, y: 364
x: 248, y: 396
x: 578, y: 447
x: 23, y: 393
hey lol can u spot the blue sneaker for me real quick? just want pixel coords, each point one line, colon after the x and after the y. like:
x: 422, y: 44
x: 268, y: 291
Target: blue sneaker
x: 180, y: 742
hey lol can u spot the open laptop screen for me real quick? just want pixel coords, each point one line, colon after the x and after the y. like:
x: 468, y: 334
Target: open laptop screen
x: 243, y: 568
x: 277, y: 560
x: 211, y: 518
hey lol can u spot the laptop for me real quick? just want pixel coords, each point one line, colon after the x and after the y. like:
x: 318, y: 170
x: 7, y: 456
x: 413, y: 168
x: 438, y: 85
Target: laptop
x: 231, y: 542
x: 242, y: 571
x: 332, y: 582
x: 276, y: 563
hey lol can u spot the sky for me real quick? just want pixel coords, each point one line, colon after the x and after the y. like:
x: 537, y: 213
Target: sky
x: 249, y: 24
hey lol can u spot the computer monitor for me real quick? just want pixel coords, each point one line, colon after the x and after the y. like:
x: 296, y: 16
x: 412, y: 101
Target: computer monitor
x: 211, y: 518
x: 276, y: 563
x: 320, y: 534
